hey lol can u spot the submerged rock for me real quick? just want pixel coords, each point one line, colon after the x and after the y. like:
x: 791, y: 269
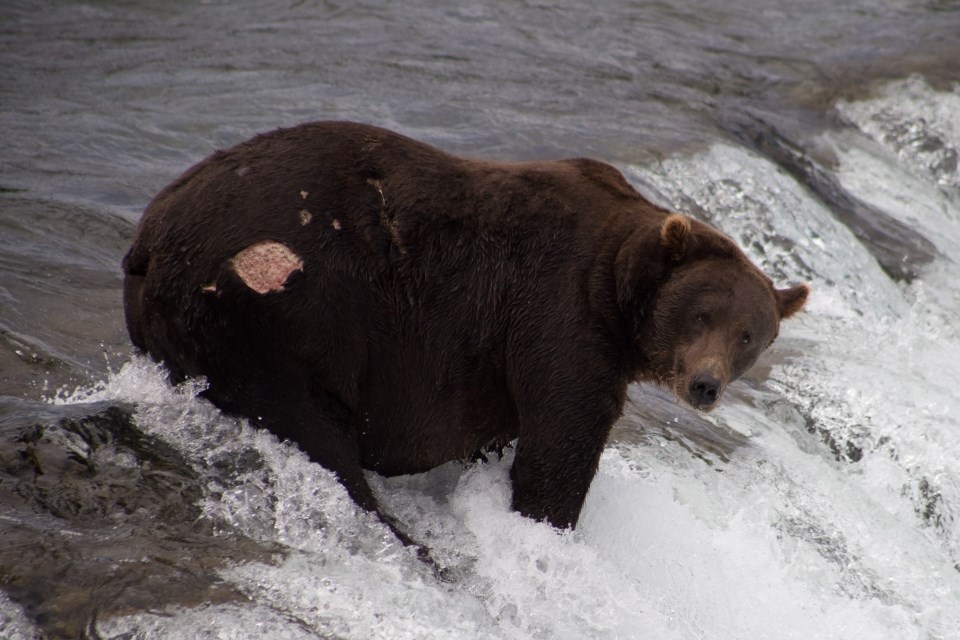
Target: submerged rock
x: 101, y: 519
x: 899, y: 249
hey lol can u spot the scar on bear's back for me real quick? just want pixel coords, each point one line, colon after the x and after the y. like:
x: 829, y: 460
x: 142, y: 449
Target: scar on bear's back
x: 266, y: 266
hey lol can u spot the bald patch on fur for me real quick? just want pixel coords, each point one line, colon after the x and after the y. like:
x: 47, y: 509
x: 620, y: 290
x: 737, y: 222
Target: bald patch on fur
x: 266, y: 266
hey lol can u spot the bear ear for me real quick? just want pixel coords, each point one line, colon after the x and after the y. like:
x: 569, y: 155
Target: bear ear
x: 792, y: 300
x: 675, y: 236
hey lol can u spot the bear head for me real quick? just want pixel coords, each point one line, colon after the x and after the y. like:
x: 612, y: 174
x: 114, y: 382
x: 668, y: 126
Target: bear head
x: 703, y: 313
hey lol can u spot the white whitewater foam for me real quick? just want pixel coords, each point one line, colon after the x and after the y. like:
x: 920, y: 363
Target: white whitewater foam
x: 14, y: 625
x: 876, y: 387
x: 919, y: 124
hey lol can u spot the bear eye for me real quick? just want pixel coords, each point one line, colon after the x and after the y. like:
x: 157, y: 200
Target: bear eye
x: 745, y: 338
x: 702, y: 318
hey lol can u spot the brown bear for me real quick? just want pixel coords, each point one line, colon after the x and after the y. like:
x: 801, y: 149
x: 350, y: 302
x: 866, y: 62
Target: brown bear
x: 391, y: 307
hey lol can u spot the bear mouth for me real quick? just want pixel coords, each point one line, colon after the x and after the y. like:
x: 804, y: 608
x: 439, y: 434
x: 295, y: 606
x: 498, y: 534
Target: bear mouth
x: 705, y: 408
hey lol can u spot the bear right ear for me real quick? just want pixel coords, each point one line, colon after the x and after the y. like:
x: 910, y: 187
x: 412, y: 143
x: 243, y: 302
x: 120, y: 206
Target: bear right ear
x: 675, y: 236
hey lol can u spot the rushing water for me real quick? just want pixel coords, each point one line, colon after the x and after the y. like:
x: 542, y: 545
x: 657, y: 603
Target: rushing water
x: 822, y: 500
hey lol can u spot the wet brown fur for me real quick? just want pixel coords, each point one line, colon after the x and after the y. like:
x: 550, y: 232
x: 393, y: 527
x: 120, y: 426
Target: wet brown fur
x: 445, y: 305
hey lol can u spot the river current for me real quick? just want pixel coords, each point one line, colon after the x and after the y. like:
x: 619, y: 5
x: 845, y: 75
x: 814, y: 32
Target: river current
x: 820, y: 501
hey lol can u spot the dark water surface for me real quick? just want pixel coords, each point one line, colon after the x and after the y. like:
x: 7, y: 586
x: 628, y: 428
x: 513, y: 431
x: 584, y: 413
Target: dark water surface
x: 103, y: 103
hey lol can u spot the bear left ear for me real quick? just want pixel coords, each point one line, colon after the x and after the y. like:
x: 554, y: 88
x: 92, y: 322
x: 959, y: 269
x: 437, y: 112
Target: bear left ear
x: 792, y: 300
x: 675, y: 235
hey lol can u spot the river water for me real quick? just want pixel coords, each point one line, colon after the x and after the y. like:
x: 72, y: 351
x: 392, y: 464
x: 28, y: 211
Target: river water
x: 822, y: 500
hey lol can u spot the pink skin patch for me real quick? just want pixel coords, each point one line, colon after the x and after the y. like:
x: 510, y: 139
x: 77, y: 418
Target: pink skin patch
x: 266, y: 266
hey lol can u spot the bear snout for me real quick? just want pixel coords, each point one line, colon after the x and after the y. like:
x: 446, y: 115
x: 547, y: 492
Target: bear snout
x: 704, y: 391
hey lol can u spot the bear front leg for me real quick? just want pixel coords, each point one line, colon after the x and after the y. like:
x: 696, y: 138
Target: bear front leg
x: 557, y: 457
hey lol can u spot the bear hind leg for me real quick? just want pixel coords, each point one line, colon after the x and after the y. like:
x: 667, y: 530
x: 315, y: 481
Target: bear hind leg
x: 319, y: 424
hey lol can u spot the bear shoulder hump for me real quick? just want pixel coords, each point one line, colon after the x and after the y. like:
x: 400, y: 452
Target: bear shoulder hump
x: 605, y: 176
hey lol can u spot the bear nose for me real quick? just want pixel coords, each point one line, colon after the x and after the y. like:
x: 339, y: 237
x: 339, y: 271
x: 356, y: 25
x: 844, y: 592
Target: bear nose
x: 704, y: 390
